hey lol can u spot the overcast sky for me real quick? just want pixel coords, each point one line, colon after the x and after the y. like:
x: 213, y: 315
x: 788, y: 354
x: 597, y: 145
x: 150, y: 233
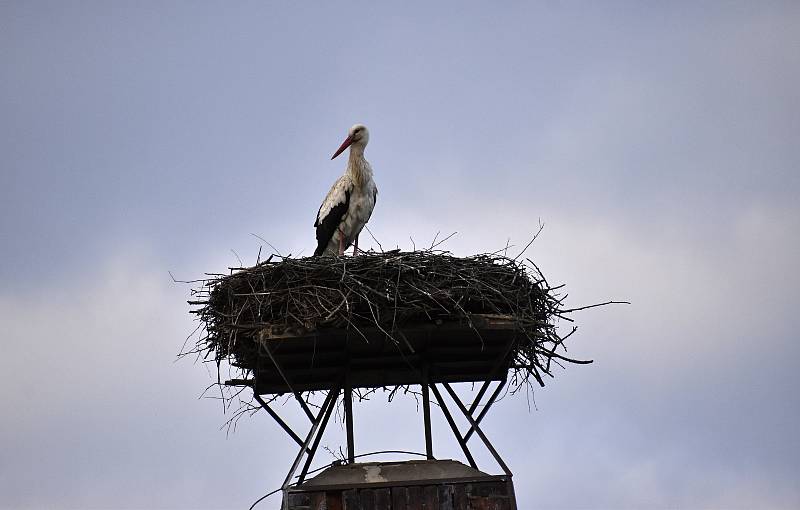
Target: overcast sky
x: 657, y: 143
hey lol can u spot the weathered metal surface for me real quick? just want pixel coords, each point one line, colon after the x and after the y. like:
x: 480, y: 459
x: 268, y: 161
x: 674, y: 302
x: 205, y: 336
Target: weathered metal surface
x: 460, y: 496
x: 402, y: 488
x: 430, y: 497
x: 413, y: 496
x: 300, y: 501
x: 446, y: 497
x: 319, y: 501
x: 374, y: 474
x: 495, y: 495
x: 399, y: 498
x: 350, y: 500
x: 367, y: 498
x: 383, y: 499
x: 333, y: 501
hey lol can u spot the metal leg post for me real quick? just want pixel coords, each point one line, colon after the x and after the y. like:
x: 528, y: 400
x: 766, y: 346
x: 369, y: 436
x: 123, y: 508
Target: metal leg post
x: 348, y: 418
x: 426, y: 411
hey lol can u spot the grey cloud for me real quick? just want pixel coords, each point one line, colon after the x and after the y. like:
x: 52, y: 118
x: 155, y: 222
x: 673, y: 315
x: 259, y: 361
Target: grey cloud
x: 657, y: 144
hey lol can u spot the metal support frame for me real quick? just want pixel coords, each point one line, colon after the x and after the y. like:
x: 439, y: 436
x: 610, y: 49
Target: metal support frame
x: 319, y: 421
x: 310, y: 444
x: 453, y: 426
x: 279, y: 420
x: 473, y: 421
x: 324, y: 424
x: 304, y: 406
x: 315, y: 433
x: 477, y: 428
x: 485, y: 408
x: 318, y: 425
x: 289, y: 385
x: 479, y: 396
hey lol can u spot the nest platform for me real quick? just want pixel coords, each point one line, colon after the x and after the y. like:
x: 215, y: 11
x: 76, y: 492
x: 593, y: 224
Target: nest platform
x: 381, y: 319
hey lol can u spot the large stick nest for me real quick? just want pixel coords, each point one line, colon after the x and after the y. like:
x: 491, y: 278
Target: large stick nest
x: 387, y: 290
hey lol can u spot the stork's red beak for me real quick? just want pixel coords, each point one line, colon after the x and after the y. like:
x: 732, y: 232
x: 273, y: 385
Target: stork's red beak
x: 345, y: 144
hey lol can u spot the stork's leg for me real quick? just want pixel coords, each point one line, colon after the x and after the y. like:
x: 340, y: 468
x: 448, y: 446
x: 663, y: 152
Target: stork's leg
x: 355, y: 247
x: 341, y: 242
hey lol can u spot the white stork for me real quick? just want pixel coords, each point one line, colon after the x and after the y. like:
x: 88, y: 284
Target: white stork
x: 349, y: 204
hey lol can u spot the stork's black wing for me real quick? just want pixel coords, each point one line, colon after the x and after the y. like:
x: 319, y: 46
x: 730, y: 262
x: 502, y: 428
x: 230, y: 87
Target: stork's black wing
x: 327, y: 226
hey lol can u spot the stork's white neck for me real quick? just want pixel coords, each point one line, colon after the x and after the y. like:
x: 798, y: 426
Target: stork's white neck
x: 357, y: 166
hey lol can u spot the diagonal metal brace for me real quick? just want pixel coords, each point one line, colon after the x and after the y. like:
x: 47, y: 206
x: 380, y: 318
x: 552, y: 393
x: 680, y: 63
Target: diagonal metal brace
x: 317, y: 439
x: 288, y: 384
x: 479, y: 396
x: 477, y: 428
x: 485, y: 409
x: 279, y: 420
x: 453, y: 426
x: 329, y: 402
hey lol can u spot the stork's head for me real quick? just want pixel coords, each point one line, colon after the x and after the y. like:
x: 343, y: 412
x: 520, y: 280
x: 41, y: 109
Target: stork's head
x: 358, y: 137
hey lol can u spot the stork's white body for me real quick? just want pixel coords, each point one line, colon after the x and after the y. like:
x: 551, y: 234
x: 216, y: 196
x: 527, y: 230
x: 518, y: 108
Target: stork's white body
x: 349, y: 203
